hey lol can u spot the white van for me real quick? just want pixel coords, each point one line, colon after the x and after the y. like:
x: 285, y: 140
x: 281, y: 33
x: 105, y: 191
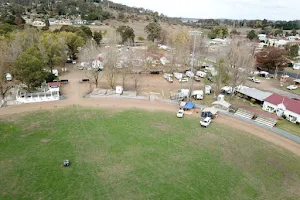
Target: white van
x: 201, y: 74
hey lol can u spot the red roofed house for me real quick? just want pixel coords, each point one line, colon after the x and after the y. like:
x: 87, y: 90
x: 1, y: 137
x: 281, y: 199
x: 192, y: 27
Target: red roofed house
x: 283, y: 106
x: 54, y: 86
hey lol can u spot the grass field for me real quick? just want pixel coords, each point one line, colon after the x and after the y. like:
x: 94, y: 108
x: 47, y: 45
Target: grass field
x: 136, y: 154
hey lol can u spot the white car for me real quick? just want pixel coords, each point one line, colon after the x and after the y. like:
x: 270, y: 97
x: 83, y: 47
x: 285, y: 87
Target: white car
x: 170, y: 80
x: 206, y: 122
x: 183, y: 80
x: 253, y: 79
x: 180, y: 113
x: 292, y: 87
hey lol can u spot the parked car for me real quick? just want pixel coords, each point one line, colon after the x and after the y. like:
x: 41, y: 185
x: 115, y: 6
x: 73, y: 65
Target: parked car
x: 166, y: 75
x: 170, y: 79
x: 206, y: 122
x: 253, y: 79
x: 197, y: 78
x: 180, y: 113
x: 183, y: 80
x: 292, y: 87
x: 74, y: 62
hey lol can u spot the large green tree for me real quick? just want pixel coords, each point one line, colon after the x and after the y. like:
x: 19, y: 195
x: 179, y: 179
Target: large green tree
x: 127, y: 34
x: 97, y: 37
x: 154, y: 31
x: 294, y: 49
x: 53, y: 49
x: 73, y: 41
x: 29, y: 68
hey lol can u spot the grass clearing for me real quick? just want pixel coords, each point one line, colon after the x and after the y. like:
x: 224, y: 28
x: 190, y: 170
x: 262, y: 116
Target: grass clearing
x: 288, y: 126
x: 136, y: 154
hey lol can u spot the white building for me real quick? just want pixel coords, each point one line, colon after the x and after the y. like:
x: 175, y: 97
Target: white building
x: 283, y: 106
x: 262, y: 37
x: 38, y: 23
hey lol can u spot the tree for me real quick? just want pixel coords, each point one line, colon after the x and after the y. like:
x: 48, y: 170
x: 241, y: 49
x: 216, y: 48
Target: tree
x: 29, y: 68
x: 271, y: 58
x: 294, y: 49
x: 180, y: 41
x: 5, y: 67
x: 90, y: 54
x: 154, y: 31
x: 87, y: 31
x: 252, y: 35
x: 222, y: 76
x: 240, y: 61
x: 53, y: 50
x: 234, y: 32
x: 294, y: 32
x: 73, y: 42
x: 127, y: 34
x: 97, y: 37
x: 111, y: 61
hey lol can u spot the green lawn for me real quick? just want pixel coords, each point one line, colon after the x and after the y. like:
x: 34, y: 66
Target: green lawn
x: 288, y: 126
x: 136, y: 154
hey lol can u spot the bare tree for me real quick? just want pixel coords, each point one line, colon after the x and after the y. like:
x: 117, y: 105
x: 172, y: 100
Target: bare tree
x: 5, y: 67
x: 240, y: 61
x: 90, y: 54
x: 180, y: 42
x: 111, y: 62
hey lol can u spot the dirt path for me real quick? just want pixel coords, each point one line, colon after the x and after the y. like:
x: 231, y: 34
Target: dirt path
x: 75, y: 90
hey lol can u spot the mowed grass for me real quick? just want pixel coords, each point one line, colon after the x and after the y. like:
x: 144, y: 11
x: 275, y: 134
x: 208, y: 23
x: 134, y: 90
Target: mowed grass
x: 135, y: 154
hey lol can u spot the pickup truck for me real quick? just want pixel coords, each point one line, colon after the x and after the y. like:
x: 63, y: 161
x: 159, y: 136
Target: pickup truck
x: 206, y: 122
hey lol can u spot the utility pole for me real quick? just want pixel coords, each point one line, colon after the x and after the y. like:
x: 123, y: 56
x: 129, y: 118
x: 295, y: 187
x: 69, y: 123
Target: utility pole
x: 194, y: 34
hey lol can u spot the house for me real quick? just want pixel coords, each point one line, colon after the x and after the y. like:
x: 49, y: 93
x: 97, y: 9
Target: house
x: 52, y: 21
x: 38, y: 23
x: 283, y: 106
x: 253, y: 93
x: 54, y: 86
x: 79, y: 22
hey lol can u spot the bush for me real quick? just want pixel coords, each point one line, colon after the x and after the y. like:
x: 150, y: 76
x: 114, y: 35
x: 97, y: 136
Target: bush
x: 253, y: 100
x: 141, y: 38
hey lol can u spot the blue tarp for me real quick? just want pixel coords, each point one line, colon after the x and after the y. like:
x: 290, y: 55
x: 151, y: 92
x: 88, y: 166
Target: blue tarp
x: 189, y: 106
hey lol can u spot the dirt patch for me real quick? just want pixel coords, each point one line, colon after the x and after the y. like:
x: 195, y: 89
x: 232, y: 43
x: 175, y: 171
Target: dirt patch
x: 45, y: 140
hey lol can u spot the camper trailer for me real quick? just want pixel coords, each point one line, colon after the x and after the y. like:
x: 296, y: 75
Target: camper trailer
x: 183, y: 93
x: 197, y: 94
x: 208, y: 89
x: 201, y: 74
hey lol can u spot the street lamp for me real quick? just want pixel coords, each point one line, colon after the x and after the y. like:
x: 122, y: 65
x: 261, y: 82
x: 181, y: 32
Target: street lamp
x: 194, y: 34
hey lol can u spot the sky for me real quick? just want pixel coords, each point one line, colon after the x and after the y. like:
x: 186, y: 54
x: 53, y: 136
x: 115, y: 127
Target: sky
x: 229, y: 9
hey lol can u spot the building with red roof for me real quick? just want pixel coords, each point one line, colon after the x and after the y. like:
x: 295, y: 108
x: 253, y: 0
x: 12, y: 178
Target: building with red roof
x: 283, y: 106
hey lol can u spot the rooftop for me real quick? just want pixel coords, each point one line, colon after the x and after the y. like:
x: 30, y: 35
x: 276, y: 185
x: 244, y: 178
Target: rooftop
x: 255, y: 93
x: 290, y: 104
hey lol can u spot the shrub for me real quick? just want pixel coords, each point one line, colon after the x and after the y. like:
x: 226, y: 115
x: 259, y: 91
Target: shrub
x: 141, y: 38
x: 253, y: 100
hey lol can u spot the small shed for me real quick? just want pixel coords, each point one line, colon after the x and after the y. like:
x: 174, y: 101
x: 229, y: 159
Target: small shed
x: 222, y: 105
x: 297, y: 82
